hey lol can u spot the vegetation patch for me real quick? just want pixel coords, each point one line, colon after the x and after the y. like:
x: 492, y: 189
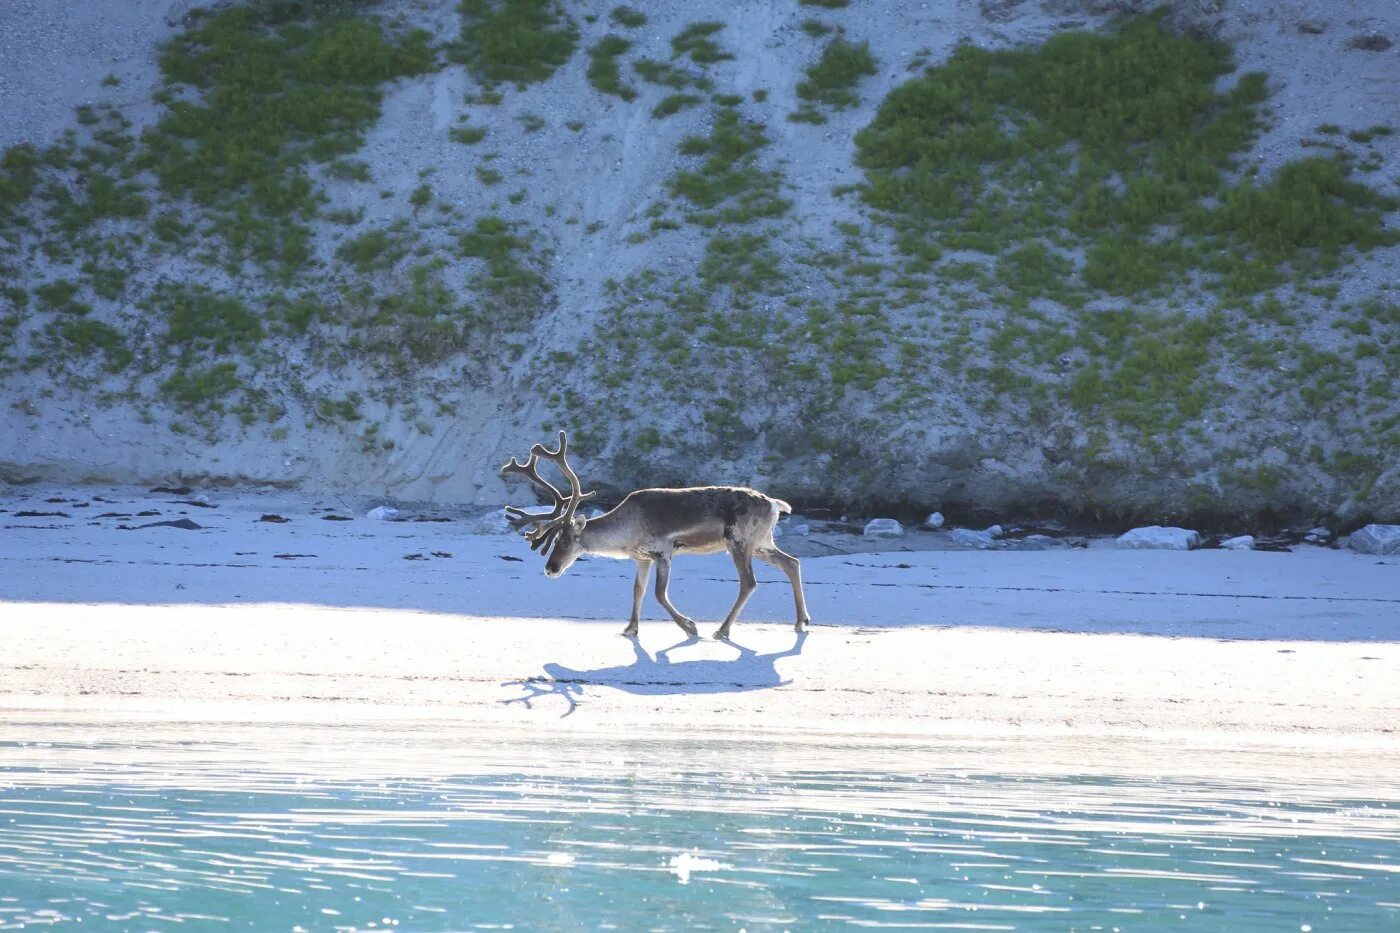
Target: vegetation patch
x: 728, y: 186
x: 520, y: 41
x: 604, y: 73
x: 1114, y: 145
x: 832, y: 79
x: 696, y: 42
x: 255, y: 94
x: 628, y: 17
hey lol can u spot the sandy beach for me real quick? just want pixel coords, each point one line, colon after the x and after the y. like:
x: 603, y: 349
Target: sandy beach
x: 314, y: 620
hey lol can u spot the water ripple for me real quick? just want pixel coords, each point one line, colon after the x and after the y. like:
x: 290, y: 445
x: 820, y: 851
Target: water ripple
x: 588, y: 835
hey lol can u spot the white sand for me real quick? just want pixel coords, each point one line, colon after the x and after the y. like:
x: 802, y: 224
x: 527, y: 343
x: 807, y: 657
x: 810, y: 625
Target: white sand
x: 1215, y: 648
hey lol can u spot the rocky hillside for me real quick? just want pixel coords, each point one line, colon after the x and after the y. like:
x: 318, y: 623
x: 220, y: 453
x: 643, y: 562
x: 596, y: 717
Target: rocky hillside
x: 1088, y: 258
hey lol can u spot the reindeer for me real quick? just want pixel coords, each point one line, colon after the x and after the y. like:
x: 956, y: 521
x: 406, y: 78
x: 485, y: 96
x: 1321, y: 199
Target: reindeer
x: 651, y: 526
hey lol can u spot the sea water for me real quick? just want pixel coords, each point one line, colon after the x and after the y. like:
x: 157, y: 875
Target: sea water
x: 278, y: 828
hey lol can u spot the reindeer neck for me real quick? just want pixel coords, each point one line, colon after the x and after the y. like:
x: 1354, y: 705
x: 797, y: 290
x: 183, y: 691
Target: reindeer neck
x: 608, y: 536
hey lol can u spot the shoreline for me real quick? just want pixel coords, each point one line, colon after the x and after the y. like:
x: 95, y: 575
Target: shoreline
x: 312, y: 621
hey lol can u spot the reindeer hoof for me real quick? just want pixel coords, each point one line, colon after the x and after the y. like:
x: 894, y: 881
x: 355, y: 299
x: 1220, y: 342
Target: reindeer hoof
x: 722, y: 634
x: 688, y: 626
x: 802, y: 625
x: 629, y: 633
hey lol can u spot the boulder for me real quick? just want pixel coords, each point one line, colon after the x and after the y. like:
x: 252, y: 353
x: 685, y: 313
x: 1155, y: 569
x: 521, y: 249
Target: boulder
x: 1375, y: 539
x: 1035, y: 543
x: 883, y: 528
x: 1238, y: 543
x: 1319, y: 535
x: 493, y: 523
x: 1158, y: 537
x: 383, y: 513
x: 996, y: 531
x: 498, y: 523
x: 966, y: 537
x: 934, y: 521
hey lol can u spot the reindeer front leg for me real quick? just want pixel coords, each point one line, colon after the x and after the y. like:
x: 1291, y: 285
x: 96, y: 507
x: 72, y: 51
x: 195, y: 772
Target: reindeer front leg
x: 639, y: 589
x: 663, y: 579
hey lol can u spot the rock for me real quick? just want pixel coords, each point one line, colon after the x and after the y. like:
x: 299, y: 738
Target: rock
x: 183, y: 523
x: 493, y: 523
x: 1312, y: 27
x: 382, y: 513
x: 1035, y: 543
x: 498, y: 523
x: 796, y: 531
x: 934, y: 521
x: 1157, y: 537
x: 1375, y: 539
x: 996, y: 531
x: 966, y: 537
x: 1239, y: 543
x: 1318, y: 535
x: 883, y: 528
x: 274, y: 518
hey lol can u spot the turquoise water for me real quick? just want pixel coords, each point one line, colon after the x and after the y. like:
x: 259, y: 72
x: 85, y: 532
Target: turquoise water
x: 146, y: 831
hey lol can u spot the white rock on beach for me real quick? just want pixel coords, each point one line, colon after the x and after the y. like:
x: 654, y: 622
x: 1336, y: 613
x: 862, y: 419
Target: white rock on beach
x: 795, y: 530
x: 996, y: 531
x: 1036, y: 543
x: 934, y: 521
x: 966, y: 537
x: 382, y: 513
x: 1239, y: 543
x: 493, y: 523
x: 498, y: 523
x: 883, y: 528
x: 1158, y: 537
x: 1375, y: 539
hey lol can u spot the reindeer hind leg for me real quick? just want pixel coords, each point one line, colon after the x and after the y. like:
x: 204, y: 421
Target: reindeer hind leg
x: 789, y: 565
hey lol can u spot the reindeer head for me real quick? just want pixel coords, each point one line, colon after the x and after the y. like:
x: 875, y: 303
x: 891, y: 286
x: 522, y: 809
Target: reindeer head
x: 556, y: 532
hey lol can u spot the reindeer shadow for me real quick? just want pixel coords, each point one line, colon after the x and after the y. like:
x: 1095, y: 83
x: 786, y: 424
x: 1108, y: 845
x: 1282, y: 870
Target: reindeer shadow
x: 660, y: 675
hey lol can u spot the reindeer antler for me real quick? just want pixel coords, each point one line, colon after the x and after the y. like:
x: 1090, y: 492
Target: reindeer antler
x: 546, y: 526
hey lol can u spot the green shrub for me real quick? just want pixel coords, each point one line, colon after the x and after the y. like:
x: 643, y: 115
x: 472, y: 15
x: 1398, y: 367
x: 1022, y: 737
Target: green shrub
x: 373, y: 250
x: 1118, y: 145
x: 61, y: 296
x: 840, y: 68
x: 728, y: 186
x: 200, y: 319
x: 467, y: 135
x: 672, y: 104
x: 514, y: 40
x: 603, y: 71
x: 203, y: 391
x: 628, y: 17
x: 87, y: 337
x: 280, y: 85
x: 694, y: 40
